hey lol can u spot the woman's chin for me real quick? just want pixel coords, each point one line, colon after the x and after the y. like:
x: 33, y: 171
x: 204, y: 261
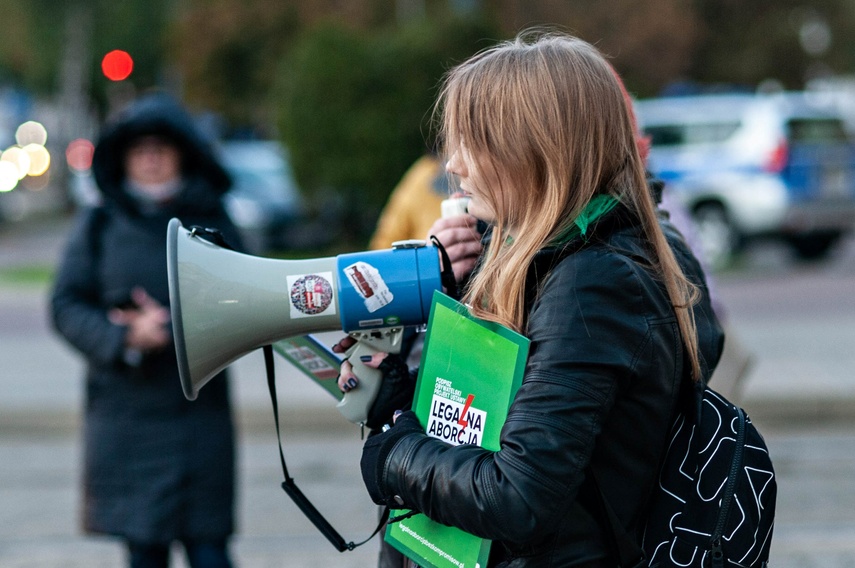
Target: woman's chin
x: 477, y: 210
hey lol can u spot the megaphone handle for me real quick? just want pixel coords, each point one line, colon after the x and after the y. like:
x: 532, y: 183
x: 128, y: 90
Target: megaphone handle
x: 356, y: 403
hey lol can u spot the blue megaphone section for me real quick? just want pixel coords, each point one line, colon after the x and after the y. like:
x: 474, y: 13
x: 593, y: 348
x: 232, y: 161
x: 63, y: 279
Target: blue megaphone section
x: 387, y: 288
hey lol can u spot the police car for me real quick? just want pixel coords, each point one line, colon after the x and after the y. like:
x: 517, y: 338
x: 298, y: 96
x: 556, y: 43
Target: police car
x: 755, y: 165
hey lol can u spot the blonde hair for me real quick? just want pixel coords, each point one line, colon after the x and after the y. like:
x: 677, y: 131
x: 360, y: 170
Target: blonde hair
x: 548, y: 116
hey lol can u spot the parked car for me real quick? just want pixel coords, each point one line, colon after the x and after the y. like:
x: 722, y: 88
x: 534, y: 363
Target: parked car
x: 747, y: 166
x: 264, y: 201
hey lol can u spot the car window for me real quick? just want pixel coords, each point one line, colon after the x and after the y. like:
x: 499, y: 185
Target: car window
x: 814, y: 130
x: 666, y: 135
x: 272, y: 185
x: 249, y: 181
x: 700, y: 133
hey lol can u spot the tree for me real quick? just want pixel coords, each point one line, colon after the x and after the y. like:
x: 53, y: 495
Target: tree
x: 649, y: 42
x: 229, y: 51
x: 355, y: 107
x: 745, y: 42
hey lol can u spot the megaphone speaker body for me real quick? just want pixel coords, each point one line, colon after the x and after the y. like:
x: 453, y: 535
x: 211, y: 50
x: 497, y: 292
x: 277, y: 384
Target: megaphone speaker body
x: 226, y: 304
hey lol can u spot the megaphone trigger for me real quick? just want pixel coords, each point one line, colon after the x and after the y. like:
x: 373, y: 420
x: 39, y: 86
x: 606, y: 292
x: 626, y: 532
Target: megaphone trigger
x: 356, y: 403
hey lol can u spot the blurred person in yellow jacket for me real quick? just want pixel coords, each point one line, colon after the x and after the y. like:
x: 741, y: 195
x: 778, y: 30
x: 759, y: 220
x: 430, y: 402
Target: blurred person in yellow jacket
x: 414, y: 211
x: 414, y: 204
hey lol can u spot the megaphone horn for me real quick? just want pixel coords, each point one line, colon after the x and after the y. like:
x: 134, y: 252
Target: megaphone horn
x: 225, y: 304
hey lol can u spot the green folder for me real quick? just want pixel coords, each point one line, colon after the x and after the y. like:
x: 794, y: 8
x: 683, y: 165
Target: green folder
x: 469, y: 373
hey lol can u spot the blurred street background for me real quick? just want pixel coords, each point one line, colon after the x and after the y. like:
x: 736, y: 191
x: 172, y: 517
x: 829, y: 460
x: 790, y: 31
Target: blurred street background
x: 318, y: 109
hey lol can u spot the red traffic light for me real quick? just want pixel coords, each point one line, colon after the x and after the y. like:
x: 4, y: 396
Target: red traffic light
x: 117, y: 65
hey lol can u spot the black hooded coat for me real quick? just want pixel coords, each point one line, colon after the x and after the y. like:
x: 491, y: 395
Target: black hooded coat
x: 157, y: 466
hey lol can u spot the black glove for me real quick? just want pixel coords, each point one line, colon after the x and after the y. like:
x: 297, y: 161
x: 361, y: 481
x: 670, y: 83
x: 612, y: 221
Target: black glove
x: 377, y: 449
x: 396, y: 392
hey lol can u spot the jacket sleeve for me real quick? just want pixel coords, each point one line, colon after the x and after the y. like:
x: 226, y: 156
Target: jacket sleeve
x: 585, y: 328
x: 76, y: 309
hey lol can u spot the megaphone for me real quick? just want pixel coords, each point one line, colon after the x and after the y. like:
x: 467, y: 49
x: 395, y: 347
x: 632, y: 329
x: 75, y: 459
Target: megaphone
x: 226, y: 304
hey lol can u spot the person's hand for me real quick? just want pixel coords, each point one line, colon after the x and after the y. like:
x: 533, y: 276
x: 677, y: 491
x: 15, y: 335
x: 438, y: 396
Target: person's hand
x: 461, y: 240
x: 347, y: 380
x: 344, y: 344
x: 375, y: 451
x: 147, y: 323
x: 396, y: 390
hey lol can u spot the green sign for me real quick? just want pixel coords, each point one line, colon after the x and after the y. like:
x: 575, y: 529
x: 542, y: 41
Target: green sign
x: 469, y: 373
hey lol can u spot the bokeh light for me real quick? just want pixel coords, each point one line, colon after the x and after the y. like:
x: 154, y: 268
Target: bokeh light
x: 19, y: 158
x: 117, y: 65
x: 31, y: 132
x: 38, y: 183
x: 39, y: 159
x: 8, y: 176
x: 78, y: 154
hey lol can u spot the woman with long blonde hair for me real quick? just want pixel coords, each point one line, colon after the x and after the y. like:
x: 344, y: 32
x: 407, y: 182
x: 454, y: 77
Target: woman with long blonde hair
x: 540, y: 136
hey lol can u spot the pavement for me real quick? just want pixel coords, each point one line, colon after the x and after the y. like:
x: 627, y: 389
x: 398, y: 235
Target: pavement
x: 805, y: 405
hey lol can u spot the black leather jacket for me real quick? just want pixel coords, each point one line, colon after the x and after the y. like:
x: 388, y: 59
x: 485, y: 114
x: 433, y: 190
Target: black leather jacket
x: 600, y: 388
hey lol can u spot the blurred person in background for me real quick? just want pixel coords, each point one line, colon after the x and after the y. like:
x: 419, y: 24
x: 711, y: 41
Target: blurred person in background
x: 158, y: 468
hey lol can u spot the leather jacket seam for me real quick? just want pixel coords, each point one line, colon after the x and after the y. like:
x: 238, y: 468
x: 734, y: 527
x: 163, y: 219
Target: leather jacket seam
x: 534, y: 474
x: 493, y: 499
x: 565, y: 381
x: 544, y: 419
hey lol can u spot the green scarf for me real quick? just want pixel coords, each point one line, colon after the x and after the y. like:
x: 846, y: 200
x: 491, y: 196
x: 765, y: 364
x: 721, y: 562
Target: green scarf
x: 598, y: 206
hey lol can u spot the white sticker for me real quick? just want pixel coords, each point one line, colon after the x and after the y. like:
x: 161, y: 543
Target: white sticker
x: 366, y: 280
x: 453, y: 418
x: 311, y: 295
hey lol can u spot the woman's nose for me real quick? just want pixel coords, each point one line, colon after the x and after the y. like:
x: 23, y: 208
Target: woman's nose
x: 455, y: 165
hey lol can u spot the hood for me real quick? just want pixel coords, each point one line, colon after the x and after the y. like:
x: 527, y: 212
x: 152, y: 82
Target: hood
x: 158, y: 114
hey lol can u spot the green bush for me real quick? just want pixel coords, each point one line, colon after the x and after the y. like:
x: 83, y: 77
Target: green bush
x: 355, y: 106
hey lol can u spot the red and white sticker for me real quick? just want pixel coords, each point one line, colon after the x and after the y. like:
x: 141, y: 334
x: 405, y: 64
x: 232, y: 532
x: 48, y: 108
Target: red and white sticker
x: 311, y: 295
x: 367, y: 281
x: 456, y: 423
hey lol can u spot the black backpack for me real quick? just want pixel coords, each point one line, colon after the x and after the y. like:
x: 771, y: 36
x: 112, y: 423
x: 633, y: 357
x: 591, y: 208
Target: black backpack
x: 714, y: 503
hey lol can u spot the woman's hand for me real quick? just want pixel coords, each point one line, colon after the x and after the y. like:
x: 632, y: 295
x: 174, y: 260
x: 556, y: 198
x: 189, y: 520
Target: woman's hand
x: 461, y: 240
x: 396, y: 390
x: 375, y: 451
x: 347, y: 380
x: 147, y: 323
